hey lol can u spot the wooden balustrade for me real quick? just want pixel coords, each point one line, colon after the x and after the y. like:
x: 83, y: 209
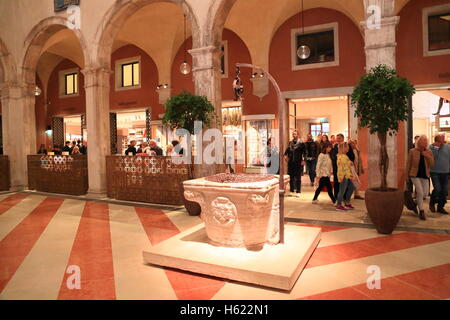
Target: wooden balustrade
x: 154, y: 179
x: 58, y: 174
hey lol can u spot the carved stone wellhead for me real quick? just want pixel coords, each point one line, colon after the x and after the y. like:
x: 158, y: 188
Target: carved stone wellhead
x: 239, y: 210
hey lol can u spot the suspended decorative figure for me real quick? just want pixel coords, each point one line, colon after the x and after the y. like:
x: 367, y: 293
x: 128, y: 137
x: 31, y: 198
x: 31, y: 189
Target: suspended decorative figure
x: 238, y: 87
x: 441, y: 104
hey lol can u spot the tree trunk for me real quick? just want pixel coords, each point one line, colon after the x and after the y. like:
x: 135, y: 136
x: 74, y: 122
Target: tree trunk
x: 384, y: 159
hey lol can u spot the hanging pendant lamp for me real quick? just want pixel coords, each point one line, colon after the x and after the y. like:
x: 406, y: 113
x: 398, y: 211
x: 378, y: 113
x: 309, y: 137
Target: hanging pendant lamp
x: 185, y: 68
x: 303, y: 52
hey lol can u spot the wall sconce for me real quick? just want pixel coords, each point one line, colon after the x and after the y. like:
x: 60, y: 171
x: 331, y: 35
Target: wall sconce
x: 162, y: 86
x: 257, y: 75
x: 49, y: 131
x: 37, y: 91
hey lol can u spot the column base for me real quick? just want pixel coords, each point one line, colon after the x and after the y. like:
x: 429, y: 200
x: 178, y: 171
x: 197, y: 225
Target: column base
x: 18, y: 188
x: 96, y: 195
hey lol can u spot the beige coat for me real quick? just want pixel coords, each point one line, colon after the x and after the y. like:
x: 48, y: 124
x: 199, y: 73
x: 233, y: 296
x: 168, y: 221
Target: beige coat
x: 412, y: 164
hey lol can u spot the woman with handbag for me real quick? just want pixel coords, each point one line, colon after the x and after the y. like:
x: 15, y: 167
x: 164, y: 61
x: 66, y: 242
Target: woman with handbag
x: 420, y: 160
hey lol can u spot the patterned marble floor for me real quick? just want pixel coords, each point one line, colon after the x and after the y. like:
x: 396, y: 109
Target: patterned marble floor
x: 301, y: 208
x: 43, y: 237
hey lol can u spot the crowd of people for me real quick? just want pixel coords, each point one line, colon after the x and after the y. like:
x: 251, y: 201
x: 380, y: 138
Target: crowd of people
x: 152, y: 149
x: 335, y: 165
x: 427, y: 162
x: 69, y: 148
x: 325, y: 158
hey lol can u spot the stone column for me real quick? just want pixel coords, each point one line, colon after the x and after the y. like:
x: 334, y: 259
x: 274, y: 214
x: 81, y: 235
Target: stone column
x: 380, y: 48
x: 97, y: 83
x: 207, y: 79
x: 19, y: 130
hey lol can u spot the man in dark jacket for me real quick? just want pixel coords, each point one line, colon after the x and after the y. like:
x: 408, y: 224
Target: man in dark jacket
x: 131, y: 148
x: 334, y: 152
x: 312, y: 152
x: 295, y: 155
x: 154, y: 147
x: 67, y: 148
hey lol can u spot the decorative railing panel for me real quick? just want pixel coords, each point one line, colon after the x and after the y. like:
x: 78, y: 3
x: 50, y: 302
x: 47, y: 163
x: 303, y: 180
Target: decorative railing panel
x: 58, y: 174
x: 153, y: 179
x: 4, y: 174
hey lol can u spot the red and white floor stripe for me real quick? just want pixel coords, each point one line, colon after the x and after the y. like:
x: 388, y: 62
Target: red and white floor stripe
x: 42, y: 237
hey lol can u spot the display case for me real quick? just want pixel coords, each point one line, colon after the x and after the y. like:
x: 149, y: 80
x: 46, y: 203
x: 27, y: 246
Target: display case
x: 258, y: 130
x: 232, y: 127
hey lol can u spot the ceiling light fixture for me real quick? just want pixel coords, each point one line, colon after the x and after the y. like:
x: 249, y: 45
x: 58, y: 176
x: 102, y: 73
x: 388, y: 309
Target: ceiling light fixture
x: 303, y: 52
x: 185, y: 68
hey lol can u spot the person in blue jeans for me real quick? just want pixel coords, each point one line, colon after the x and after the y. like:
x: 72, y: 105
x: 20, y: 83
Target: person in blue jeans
x: 439, y: 174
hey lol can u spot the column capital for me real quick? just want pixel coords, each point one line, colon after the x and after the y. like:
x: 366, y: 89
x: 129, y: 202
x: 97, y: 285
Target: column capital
x: 205, y: 58
x: 15, y: 90
x: 96, y: 77
x: 164, y: 94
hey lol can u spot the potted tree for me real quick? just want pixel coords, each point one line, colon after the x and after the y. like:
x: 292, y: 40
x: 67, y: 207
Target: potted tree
x: 182, y: 111
x: 381, y: 102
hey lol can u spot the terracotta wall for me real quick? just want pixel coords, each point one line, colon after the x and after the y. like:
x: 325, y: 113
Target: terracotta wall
x: 351, y: 51
x: 143, y: 97
x: 146, y: 95
x: 411, y: 62
x: 66, y: 105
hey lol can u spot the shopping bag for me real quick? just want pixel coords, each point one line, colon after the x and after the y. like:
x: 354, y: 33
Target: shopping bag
x: 355, y: 179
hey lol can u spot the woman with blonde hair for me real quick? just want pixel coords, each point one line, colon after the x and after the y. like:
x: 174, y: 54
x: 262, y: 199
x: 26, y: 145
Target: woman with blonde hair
x: 420, y: 160
x: 344, y: 175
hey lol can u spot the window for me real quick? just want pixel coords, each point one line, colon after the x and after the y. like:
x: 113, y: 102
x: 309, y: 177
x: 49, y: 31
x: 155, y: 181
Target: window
x: 436, y: 30
x: 321, y: 45
x: 319, y: 128
x: 130, y: 74
x: 258, y: 131
x: 439, y: 31
x: 71, y: 84
x: 323, y: 42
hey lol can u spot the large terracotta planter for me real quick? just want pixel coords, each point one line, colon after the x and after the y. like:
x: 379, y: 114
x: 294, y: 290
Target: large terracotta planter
x: 192, y: 208
x: 384, y: 208
x: 238, y: 214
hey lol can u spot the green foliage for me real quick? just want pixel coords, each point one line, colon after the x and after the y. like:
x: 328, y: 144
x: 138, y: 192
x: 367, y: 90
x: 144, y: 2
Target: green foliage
x: 185, y: 108
x: 381, y: 100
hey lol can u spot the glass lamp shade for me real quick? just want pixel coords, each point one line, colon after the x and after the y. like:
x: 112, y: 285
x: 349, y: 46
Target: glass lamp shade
x: 185, y: 68
x: 37, y: 91
x: 303, y: 52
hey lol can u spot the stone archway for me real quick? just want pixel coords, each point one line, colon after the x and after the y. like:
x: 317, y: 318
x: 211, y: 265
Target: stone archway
x: 8, y: 71
x: 117, y: 16
x: 18, y: 101
x: 217, y: 15
x: 36, y: 40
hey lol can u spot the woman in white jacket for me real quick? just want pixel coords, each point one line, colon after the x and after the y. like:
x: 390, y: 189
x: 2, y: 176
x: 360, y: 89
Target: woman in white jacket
x: 324, y: 170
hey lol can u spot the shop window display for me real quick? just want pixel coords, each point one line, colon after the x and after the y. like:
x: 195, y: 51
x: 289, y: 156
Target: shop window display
x: 232, y: 126
x: 258, y: 131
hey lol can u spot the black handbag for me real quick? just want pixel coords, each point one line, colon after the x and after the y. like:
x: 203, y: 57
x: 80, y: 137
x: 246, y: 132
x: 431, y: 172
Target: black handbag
x: 409, y: 201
